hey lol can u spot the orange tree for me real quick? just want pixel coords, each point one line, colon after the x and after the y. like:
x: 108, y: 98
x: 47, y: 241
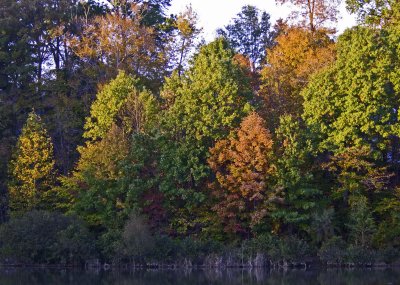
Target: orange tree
x: 242, y: 167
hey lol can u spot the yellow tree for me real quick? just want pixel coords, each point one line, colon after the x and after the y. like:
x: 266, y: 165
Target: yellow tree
x: 32, y: 167
x: 117, y: 41
x: 243, y: 168
x: 184, y: 39
x: 298, y: 54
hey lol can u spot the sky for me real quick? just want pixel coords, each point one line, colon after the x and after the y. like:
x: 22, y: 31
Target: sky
x: 214, y: 14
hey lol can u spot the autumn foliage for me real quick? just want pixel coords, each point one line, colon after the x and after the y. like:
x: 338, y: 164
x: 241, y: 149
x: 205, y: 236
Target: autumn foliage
x: 297, y: 55
x: 284, y: 139
x: 32, y: 167
x: 242, y: 166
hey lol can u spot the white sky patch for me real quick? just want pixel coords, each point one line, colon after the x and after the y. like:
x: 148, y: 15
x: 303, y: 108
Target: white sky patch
x: 214, y: 14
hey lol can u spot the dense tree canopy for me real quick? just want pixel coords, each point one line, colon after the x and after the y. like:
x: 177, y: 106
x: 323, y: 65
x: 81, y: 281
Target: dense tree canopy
x: 278, y: 144
x: 355, y: 102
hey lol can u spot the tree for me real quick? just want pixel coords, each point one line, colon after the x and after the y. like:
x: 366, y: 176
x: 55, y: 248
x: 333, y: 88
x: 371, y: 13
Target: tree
x: 353, y: 103
x: 291, y: 62
x: 205, y: 104
x: 295, y: 179
x: 102, y: 185
x: 376, y: 12
x: 356, y: 173
x: 361, y: 224
x: 31, y: 168
x: 120, y: 102
x: 243, y: 168
x: 116, y: 41
x: 250, y: 34
x: 211, y: 98
x: 315, y: 14
x: 152, y: 11
x: 184, y: 38
x: 350, y: 110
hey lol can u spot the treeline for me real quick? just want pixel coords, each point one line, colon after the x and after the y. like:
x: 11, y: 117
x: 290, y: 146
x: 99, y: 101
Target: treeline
x: 126, y: 138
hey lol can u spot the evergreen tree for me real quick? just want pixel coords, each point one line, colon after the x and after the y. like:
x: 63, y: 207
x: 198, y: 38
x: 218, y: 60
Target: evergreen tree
x: 32, y: 168
x: 250, y: 34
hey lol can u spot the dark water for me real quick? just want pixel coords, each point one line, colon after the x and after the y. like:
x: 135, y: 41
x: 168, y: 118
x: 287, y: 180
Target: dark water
x: 209, y: 277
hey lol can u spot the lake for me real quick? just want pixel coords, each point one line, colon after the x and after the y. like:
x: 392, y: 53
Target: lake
x: 200, y: 277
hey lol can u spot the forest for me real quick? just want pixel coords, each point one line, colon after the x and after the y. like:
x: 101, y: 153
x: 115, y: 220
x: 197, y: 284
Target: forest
x: 126, y: 138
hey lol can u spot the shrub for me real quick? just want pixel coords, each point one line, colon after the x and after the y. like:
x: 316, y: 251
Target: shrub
x: 45, y: 237
x: 289, y: 248
x: 389, y: 254
x: 294, y: 249
x: 137, y: 241
x: 360, y: 255
x: 333, y: 251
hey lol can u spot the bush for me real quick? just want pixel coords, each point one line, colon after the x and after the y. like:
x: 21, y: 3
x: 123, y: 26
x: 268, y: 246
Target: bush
x: 360, y: 255
x: 197, y: 250
x: 294, y: 249
x: 333, y: 251
x: 265, y: 244
x: 137, y: 242
x: 277, y: 249
x: 45, y: 238
x: 389, y: 254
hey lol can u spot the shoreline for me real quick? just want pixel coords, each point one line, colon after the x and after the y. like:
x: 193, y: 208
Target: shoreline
x: 189, y: 266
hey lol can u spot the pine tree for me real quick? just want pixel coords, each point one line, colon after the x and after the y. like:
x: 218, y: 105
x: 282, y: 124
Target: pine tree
x: 31, y: 167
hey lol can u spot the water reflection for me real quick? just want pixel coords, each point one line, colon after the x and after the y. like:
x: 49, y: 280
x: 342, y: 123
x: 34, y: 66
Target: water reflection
x: 201, y: 277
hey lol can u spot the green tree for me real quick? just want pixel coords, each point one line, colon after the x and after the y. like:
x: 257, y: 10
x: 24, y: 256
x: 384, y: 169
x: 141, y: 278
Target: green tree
x: 295, y: 179
x: 361, y: 224
x: 354, y: 103
x: 375, y: 12
x: 205, y: 104
x: 101, y: 189
x: 32, y: 168
x: 211, y: 98
x: 123, y: 102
